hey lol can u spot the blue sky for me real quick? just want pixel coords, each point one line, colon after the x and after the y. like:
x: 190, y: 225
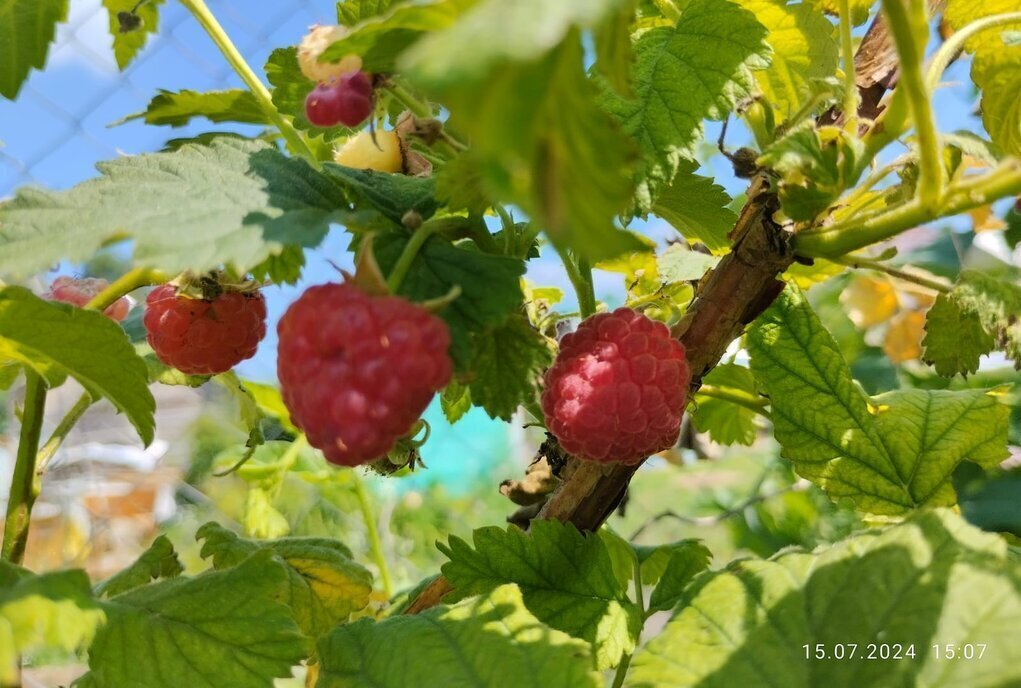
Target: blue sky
x: 58, y: 129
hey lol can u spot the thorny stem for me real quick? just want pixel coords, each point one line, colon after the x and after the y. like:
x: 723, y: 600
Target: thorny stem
x: 123, y: 285
x: 906, y: 21
x: 24, y: 487
x: 864, y: 263
x: 365, y: 504
x: 847, y: 54
x: 294, y: 139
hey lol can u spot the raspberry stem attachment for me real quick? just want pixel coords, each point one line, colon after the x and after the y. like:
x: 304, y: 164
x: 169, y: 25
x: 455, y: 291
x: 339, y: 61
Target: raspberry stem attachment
x: 124, y: 285
x: 372, y: 531
x: 295, y: 141
x: 407, y: 257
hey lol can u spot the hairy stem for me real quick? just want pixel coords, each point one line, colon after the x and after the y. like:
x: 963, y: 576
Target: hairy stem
x: 856, y: 233
x: 864, y: 263
x: 294, y: 139
x: 365, y: 504
x: 907, y: 21
x: 24, y: 487
x: 736, y: 396
x: 580, y: 274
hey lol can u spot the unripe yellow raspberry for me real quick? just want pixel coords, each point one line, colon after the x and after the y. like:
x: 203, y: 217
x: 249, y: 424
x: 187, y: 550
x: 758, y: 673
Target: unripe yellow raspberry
x: 315, y: 42
x: 362, y: 153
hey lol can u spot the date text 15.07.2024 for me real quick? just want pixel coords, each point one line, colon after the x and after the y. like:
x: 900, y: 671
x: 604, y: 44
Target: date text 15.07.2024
x: 890, y: 651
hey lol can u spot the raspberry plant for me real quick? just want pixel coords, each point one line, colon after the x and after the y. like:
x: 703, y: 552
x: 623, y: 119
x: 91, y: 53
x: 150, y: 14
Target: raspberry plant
x: 452, y: 139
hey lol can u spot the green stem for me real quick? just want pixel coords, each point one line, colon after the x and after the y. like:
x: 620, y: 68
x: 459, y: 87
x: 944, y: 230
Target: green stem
x: 582, y: 284
x: 24, y: 487
x: 864, y: 263
x: 481, y: 236
x: 61, y: 432
x: 948, y: 51
x: 906, y: 21
x: 507, y: 223
x: 855, y: 233
x: 365, y: 504
x: 407, y: 257
x: 736, y: 396
x: 123, y: 285
x: 847, y: 53
x: 625, y: 661
x: 408, y: 100
x: 297, y: 143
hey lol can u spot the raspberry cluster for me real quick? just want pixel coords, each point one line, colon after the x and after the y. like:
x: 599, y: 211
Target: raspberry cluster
x: 357, y: 371
x: 204, y: 336
x: 79, y: 291
x: 617, y: 389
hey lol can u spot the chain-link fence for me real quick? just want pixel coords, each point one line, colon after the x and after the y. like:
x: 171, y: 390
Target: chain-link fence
x: 59, y: 126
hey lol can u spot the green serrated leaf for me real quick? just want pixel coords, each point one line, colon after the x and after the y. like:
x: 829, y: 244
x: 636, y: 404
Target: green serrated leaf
x: 697, y: 208
x: 49, y: 611
x: 126, y: 45
x: 530, y: 111
x: 679, y: 264
x: 487, y: 642
x: 816, y: 164
x: 27, y: 28
x: 173, y: 207
x: 996, y: 304
x: 57, y: 340
x: 671, y: 567
x: 219, y: 628
x: 804, y: 50
x: 325, y: 585
x: 381, y: 38
x: 393, y: 195
x: 290, y: 88
x: 933, y: 579
x: 566, y: 579
x: 177, y: 109
x: 954, y: 339
x: 350, y: 12
x: 281, y: 268
x: 508, y: 363
x: 455, y: 401
x: 490, y: 286
x: 889, y: 454
x: 159, y: 561
x: 698, y: 69
x: 726, y: 422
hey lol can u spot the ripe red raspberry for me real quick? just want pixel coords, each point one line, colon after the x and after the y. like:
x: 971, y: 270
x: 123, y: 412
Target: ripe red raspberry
x: 347, y: 100
x: 356, y: 371
x: 616, y: 391
x: 80, y: 291
x: 204, y: 337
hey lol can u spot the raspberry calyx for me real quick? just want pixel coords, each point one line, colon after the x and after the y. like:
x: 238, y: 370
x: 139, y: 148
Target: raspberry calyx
x: 617, y: 389
x: 204, y: 336
x: 357, y: 371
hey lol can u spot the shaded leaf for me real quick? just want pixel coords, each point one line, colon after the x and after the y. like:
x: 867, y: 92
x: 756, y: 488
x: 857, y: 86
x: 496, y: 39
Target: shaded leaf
x: 127, y: 44
x: 508, y: 362
x: 697, y: 208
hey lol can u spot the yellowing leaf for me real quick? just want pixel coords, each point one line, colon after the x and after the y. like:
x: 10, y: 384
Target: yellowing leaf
x: 804, y: 48
x: 870, y: 300
x: 903, y: 341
